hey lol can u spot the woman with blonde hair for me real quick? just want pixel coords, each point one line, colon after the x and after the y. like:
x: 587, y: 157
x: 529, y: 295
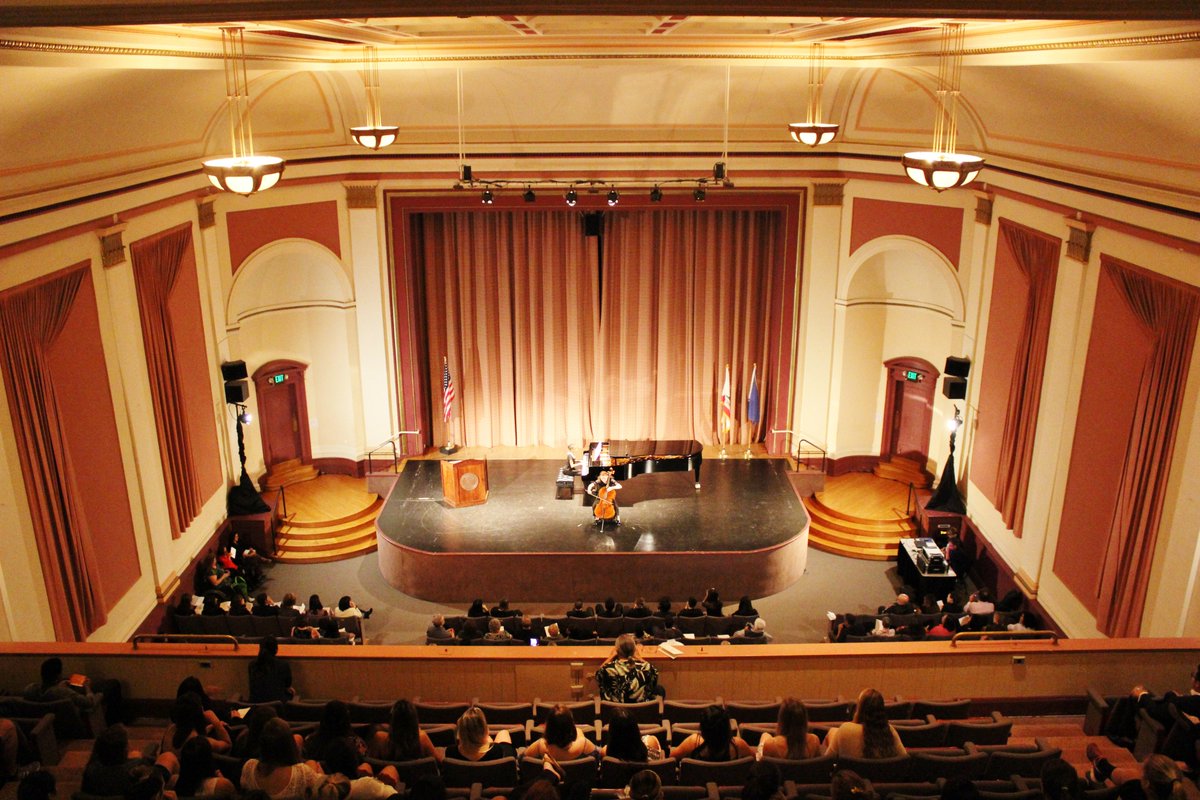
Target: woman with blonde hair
x: 792, y: 739
x: 870, y: 735
x: 473, y: 741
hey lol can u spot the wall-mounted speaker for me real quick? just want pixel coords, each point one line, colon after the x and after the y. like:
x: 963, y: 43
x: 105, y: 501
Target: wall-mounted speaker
x: 233, y: 371
x: 954, y: 388
x: 958, y: 367
x: 593, y: 223
x: 237, y: 391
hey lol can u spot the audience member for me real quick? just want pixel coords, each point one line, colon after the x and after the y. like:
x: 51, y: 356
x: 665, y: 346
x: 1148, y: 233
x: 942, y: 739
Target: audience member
x: 477, y: 609
x: 626, y: 677
x: 188, y: 720
x: 238, y: 607
x: 248, y: 743
x: 553, y: 633
x: 664, y: 610
x: 264, y: 606
x: 847, y: 784
x: 437, y: 629
x: 287, y: 606
x: 756, y: 630
x: 644, y: 785
x: 502, y: 611
x: 10, y: 745
x: 792, y: 739
x: 930, y: 605
x: 279, y: 771
x: 870, y: 735
x: 1060, y: 781
x: 328, y: 627
x: 945, y: 628
x: 852, y: 625
x: 579, y: 612
x: 764, y: 782
x: 903, y: 605
x: 113, y: 770
x: 610, y: 609
x: 693, y: 609
x: 626, y: 742
x: 715, y: 741
x: 249, y: 561
x: 712, y: 603
x: 638, y: 610
x: 198, y: 773
x: 315, y: 607
x: 334, y: 726
x: 496, y: 631
x: 215, y: 578
x: 472, y: 742
x: 1159, y: 778
x: 562, y: 740
x: 980, y: 606
x: 184, y: 608
x: 953, y: 604
x: 346, y: 607
x: 76, y: 688
x: 342, y: 762
x: 270, y: 677
x: 212, y: 605
x: 470, y: 631
x: 403, y: 740
x: 745, y: 607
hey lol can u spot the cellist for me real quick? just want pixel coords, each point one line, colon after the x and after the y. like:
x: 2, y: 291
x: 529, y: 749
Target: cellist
x: 604, y: 489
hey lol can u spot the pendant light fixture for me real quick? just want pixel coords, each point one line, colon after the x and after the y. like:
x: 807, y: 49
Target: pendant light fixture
x: 374, y: 135
x: 243, y: 172
x: 812, y: 131
x: 941, y: 168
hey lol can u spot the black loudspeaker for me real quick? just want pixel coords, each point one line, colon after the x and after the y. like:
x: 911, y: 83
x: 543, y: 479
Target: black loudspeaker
x: 233, y: 371
x: 958, y: 367
x: 954, y: 388
x: 237, y: 391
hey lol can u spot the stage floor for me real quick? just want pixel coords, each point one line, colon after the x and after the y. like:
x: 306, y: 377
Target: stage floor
x: 745, y: 526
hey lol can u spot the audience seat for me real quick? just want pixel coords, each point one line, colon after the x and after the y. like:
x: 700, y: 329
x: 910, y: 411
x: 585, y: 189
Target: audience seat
x: 615, y: 774
x: 579, y: 769
x: 501, y: 772
x: 39, y: 732
x: 693, y: 772
x: 914, y: 733
x: 746, y: 711
x: 878, y: 769
x: 1006, y: 763
x: 507, y: 713
x: 669, y: 793
x: 240, y: 626
x: 994, y: 731
x: 687, y: 710
x: 69, y: 722
x: 440, y: 733
x: 584, y: 711
x: 304, y: 710
x: 410, y: 770
x: 648, y: 712
x: 894, y: 709
x: 440, y: 711
x: 693, y: 625
x: 941, y: 709
x: 806, y: 770
x: 368, y: 711
x: 214, y: 626
x: 932, y: 766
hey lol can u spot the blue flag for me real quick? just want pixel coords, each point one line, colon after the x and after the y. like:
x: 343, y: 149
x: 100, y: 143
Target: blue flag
x: 752, y: 410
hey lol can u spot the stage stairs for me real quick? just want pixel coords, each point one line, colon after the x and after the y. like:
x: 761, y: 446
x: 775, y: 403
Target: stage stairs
x: 288, y: 473
x: 904, y: 470
x: 859, y: 516
x: 329, y: 518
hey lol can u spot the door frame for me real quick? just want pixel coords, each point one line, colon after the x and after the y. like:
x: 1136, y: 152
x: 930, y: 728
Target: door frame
x: 902, y: 364
x: 295, y: 376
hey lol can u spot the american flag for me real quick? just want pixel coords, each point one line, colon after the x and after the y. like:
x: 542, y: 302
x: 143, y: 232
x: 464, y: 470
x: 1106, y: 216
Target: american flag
x: 726, y: 420
x: 447, y: 391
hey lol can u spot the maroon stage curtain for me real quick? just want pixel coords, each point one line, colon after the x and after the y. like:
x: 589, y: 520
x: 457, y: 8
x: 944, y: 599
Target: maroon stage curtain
x: 30, y: 320
x: 156, y: 266
x: 1036, y: 257
x: 1170, y: 312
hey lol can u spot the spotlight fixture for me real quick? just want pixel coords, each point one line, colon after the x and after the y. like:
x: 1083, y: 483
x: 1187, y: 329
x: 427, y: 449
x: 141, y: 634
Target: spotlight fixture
x: 243, y: 172
x: 656, y: 195
x: 613, y: 197
x: 941, y: 168
x: 812, y: 131
x: 572, y: 197
x: 719, y: 171
x: 374, y: 135
x: 244, y: 417
x: 529, y: 196
x: 699, y: 194
x: 487, y: 198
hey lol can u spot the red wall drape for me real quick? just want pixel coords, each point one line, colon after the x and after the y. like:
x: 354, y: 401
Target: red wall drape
x: 157, y: 261
x: 30, y: 320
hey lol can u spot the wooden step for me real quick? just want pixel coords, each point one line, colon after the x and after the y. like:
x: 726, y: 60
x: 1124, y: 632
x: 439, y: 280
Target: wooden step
x: 322, y: 556
x: 841, y: 519
x: 288, y: 473
x: 852, y: 539
x: 902, y: 470
x: 816, y: 541
x: 366, y: 514
x: 288, y: 544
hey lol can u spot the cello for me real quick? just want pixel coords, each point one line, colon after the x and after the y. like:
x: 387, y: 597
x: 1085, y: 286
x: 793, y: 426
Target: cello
x: 605, y: 507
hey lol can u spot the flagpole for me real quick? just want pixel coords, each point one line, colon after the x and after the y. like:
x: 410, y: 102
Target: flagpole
x: 449, y: 447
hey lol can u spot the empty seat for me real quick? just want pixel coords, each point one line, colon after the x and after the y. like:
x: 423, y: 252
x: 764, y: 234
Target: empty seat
x: 932, y: 766
x: 1004, y: 764
x: 435, y: 711
x: 754, y: 711
x: 993, y: 731
x: 837, y: 710
x: 240, y: 626
x: 693, y: 772
x: 459, y: 773
x: 303, y: 710
x: 686, y: 710
x: 897, y: 709
x: 214, y: 625
x: 361, y: 711
x: 941, y: 709
x: 507, y: 713
x: 929, y: 734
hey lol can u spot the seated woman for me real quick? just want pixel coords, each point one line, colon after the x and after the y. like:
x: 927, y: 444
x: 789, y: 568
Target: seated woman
x: 212, y: 605
x: 238, y: 607
x: 791, y: 739
x: 562, y: 741
x: 190, y: 720
x: 184, y: 608
x: 315, y: 608
x: 334, y: 726
x: 745, y: 608
x: 198, y: 775
x: 478, y: 609
x: 113, y: 769
x: 346, y: 607
x: 341, y: 760
x: 279, y: 772
x: 403, y: 740
x: 715, y: 741
x: 472, y: 742
x: 870, y: 735
x: 625, y: 740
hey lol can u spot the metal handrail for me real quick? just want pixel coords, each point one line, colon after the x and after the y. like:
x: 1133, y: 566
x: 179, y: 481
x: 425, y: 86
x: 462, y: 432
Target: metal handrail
x: 814, y: 446
x: 391, y: 442
x: 908, y: 500
x: 186, y: 638
x: 1002, y: 636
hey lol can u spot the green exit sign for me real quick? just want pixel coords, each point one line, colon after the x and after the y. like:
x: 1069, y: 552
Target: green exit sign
x: 912, y: 375
x: 280, y: 378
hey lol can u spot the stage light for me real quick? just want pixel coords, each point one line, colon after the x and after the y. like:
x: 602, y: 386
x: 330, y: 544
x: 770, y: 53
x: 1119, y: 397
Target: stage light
x: 719, y: 171
x: 487, y: 198
x: 613, y: 197
x: 529, y: 196
x: 656, y: 195
x: 572, y: 197
x: 699, y: 194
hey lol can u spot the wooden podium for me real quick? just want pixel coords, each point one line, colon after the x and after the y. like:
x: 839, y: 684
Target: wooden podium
x: 465, y: 483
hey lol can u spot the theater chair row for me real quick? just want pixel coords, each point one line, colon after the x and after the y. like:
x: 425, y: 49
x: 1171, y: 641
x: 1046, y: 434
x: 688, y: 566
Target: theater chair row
x: 66, y: 721
x: 609, y: 627
x: 249, y: 628
x: 1180, y: 741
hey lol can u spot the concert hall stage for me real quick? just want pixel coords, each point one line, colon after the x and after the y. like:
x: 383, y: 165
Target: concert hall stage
x: 745, y: 532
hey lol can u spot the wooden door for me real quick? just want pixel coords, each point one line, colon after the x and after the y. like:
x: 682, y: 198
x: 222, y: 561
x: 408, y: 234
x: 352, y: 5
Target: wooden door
x: 283, y: 412
x: 909, y: 409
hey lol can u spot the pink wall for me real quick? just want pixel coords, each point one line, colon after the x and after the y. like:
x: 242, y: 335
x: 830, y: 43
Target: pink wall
x: 194, y: 374
x: 938, y: 226
x: 250, y: 230
x: 1117, y: 351
x: 81, y: 383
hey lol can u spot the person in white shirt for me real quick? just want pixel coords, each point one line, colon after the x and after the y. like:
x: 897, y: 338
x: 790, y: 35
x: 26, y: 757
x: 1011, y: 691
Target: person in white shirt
x: 348, y: 608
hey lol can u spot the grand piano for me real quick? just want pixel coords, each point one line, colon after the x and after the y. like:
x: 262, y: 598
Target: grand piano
x: 628, y: 458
